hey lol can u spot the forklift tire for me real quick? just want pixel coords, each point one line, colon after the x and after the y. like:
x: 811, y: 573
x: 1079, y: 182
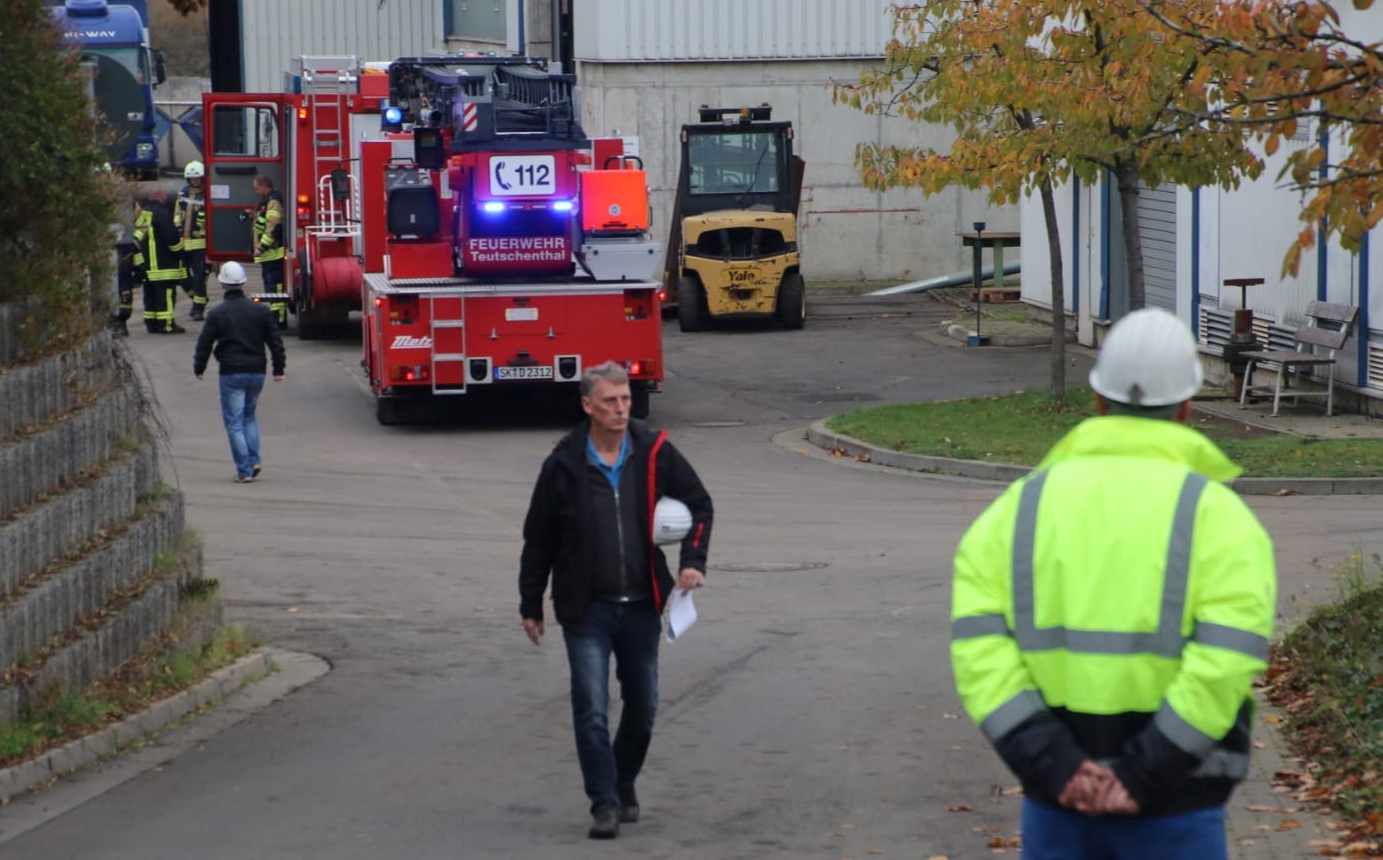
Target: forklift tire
x: 792, y: 301
x: 691, y: 305
x: 639, y: 407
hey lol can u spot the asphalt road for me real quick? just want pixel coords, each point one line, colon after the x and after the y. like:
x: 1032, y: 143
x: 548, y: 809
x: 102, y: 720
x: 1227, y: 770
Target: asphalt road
x: 810, y: 713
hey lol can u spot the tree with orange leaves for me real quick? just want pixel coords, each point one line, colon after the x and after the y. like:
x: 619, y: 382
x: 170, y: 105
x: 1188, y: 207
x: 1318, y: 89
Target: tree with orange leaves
x: 1040, y: 91
x: 1288, y: 63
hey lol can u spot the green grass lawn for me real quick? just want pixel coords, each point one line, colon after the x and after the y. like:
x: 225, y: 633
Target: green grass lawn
x: 1020, y: 428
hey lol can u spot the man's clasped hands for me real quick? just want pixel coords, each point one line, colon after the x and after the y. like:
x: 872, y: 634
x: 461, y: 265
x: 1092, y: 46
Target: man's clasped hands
x: 1096, y: 790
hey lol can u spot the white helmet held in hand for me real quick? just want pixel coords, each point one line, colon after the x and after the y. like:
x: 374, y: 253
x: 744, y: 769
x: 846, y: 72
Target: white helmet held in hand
x: 1148, y: 359
x: 232, y: 274
x: 671, y: 521
x: 194, y: 170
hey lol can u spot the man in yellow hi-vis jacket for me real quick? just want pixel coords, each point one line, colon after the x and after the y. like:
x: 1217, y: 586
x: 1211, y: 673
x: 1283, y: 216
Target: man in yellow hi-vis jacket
x: 1109, y: 614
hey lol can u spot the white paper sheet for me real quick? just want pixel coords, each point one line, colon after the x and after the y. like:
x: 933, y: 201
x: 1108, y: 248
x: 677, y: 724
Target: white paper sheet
x: 681, y: 614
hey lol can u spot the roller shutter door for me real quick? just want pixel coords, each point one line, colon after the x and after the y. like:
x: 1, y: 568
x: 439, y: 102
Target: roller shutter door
x: 1157, y: 226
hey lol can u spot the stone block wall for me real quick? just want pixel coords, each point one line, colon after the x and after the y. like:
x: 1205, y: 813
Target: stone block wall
x: 95, y: 560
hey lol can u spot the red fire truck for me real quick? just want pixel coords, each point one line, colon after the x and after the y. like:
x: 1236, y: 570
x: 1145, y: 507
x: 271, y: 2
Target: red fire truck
x: 456, y: 202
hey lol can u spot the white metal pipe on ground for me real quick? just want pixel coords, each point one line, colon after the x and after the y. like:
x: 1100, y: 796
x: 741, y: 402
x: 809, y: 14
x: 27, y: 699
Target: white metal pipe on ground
x: 955, y: 279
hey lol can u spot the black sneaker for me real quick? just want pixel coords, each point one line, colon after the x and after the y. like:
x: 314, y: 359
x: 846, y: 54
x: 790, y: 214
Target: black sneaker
x: 606, y: 825
x: 244, y: 479
x: 175, y: 329
x: 628, y: 805
x: 197, y: 315
x: 255, y: 470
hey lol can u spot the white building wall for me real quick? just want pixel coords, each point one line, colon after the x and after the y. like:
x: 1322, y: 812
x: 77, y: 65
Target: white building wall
x: 273, y: 32
x: 847, y: 231
x: 674, y: 30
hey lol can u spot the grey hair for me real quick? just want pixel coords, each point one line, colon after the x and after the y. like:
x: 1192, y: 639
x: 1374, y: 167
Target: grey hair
x: 610, y: 371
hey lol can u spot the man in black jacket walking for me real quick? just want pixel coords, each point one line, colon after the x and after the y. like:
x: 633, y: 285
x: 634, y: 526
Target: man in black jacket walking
x: 590, y: 528
x: 240, y: 329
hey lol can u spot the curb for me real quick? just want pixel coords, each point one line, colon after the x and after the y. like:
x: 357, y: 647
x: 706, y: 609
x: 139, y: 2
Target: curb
x: 818, y: 435
x: 80, y: 753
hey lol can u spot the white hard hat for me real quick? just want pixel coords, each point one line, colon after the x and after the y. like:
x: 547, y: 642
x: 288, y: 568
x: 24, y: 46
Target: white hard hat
x: 1148, y: 359
x: 232, y: 274
x: 194, y: 170
x: 671, y: 521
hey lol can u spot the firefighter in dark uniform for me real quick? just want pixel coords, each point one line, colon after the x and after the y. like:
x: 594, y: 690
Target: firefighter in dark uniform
x: 161, y: 247
x: 190, y: 218
x: 268, y: 249
x: 128, y: 260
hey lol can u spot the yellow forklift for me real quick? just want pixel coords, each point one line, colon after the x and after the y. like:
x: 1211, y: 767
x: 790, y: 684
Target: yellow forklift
x: 733, y: 250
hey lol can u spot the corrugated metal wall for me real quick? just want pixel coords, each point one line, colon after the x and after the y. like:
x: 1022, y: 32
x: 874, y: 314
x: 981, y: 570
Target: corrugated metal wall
x: 671, y: 30
x: 276, y: 31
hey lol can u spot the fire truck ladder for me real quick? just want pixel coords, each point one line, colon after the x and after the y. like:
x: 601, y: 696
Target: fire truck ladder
x: 329, y: 84
x: 447, y: 317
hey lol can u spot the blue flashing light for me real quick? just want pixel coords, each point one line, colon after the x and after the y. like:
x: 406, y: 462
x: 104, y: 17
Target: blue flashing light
x: 493, y: 206
x: 393, y: 115
x: 563, y: 206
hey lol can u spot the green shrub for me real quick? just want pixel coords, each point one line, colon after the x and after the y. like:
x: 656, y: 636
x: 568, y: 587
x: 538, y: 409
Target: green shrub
x: 55, y: 224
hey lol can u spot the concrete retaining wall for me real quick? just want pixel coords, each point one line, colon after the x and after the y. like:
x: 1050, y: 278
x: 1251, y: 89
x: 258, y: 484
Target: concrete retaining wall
x: 65, y: 597
x: 43, y: 534
x: 94, y: 557
x: 38, y: 465
x: 34, y: 393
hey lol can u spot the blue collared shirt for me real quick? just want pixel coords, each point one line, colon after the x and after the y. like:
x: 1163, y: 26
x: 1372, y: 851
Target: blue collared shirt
x: 612, y: 473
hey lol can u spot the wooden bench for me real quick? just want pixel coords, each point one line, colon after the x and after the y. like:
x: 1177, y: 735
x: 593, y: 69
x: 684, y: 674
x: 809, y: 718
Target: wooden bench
x: 1327, y: 328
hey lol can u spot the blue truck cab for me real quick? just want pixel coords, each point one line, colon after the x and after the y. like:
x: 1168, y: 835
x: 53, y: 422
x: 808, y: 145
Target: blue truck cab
x: 113, y: 41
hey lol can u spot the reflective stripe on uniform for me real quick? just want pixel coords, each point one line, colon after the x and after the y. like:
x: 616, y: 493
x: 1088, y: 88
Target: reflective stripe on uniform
x: 1166, y: 642
x: 1231, y: 639
x: 1224, y: 764
x: 1012, y: 714
x: 975, y: 626
x: 1185, y: 736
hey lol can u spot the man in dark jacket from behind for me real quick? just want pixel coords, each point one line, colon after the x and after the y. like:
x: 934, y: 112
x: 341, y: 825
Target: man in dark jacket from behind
x: 590, y: 527
x: 240, y: 329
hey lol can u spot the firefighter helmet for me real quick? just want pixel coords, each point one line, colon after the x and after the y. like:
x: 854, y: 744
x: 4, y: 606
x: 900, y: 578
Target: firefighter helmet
x: 232, y: 274
x: 671, y: 521
x: 1148, y: 359
x: 194, y: 170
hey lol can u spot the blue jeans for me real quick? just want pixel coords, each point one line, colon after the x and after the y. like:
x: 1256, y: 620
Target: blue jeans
x: 1052, y: 833
x: 239, y: 394
x: 630, y: 631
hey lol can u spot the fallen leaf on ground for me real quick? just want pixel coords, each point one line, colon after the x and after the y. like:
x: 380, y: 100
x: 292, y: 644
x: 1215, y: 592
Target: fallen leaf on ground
x: 1289, y: 824
x: 960, y: 807
x: 1286, y: 492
